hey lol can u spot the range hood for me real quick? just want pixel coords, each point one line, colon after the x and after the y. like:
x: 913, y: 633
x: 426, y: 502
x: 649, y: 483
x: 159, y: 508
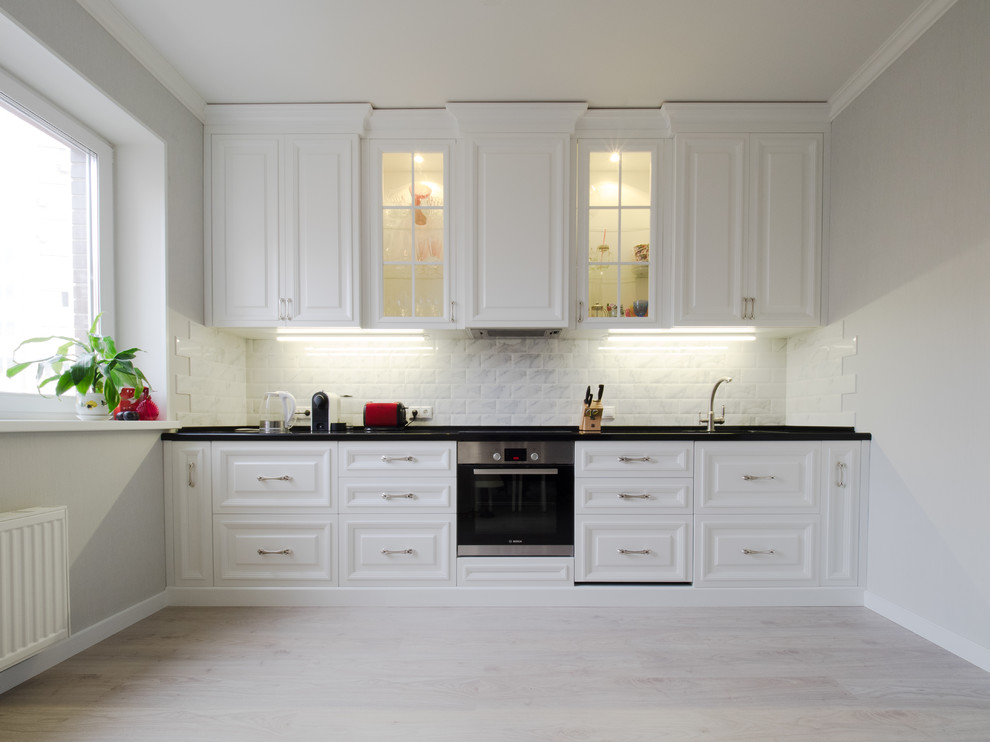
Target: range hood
x: 512, y: 332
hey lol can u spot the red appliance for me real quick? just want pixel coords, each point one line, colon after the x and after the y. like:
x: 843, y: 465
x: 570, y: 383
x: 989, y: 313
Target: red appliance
x: 384, y: 415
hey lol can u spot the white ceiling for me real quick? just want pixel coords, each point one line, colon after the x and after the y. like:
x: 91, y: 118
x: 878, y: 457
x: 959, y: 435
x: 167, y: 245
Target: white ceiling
x: 424, y: 53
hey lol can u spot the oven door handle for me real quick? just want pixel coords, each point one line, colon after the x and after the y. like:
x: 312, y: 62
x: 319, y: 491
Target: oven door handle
x: 513, y: 471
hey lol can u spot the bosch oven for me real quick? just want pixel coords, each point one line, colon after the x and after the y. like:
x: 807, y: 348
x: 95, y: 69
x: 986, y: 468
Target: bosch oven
x: 515, y: 498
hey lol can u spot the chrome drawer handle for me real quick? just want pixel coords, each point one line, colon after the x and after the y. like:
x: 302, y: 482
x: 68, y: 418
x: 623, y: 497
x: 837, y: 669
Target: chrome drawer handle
x: 753, y: 477
x: 624, y: 496
x: 283, y: 478
x: 279, y: 552
x: 407, y: 496
x: 630, y: 459
x: 389, y: 552
x: 758, y: 551
x: 633, y: 551
x: 390, y: 459
x: 192, y: 473
x: 840, y: 474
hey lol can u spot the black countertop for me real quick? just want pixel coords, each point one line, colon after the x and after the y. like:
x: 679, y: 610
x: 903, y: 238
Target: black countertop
x: 516, y: 433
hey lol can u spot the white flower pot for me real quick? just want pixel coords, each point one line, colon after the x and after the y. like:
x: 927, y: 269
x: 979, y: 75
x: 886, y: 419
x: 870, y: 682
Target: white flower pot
x: 92, y: 406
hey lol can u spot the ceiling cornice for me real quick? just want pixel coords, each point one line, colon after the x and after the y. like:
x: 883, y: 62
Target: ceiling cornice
x: 910, y: 31
x: 107, y: 15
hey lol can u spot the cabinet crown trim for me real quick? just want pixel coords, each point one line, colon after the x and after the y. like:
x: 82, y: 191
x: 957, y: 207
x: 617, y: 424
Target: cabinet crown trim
x: 528, y: 118
x: 331, y: 118
x: 747, y: 117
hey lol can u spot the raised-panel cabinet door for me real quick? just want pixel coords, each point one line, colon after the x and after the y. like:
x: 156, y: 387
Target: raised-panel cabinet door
x: 519, y: 265
x: 320, y: 255
x: 190, y: 490
x: 245, y: 230
x: 785, y: 228
x: 841, y: 467
x: 710, y: 223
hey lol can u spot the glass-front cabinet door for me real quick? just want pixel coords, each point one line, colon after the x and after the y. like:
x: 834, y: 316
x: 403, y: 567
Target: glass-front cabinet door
x: 618, y: 238
x: 409, y: 233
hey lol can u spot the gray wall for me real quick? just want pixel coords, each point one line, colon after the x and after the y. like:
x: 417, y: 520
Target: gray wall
x: 910, y: 261
x: 112, y: 482
x: 112, y: 486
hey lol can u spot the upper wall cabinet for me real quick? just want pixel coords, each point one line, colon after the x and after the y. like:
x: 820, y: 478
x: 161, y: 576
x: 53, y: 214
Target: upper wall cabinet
x: 618, y: 233
x: 409, y: 255
x: 516, y: 236
x: 748, y: 216
x: 282, y: 215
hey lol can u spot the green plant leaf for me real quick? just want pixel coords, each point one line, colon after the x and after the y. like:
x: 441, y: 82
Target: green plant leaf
x: 17, y: 368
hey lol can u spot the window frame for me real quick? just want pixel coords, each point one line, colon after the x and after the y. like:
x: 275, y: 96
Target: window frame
x: 30, y: 104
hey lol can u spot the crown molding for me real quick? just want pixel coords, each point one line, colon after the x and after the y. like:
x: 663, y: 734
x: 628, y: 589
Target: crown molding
x: 107, y: 15
x: 910, y: 31
x: 529, y: 118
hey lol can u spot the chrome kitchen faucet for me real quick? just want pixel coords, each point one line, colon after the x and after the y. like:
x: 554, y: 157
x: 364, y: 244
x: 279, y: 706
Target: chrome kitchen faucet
x: 711, y: 419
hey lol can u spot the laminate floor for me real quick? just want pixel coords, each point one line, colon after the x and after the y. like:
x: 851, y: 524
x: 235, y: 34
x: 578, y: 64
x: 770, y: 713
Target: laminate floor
x: 505, y: 674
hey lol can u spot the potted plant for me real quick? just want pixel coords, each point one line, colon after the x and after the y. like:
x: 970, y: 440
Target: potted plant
x: 93, y: 367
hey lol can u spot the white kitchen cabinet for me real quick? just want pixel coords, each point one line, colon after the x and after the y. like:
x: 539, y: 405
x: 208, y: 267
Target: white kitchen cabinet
x: 189, y: 532
x: 641, y: 548
x: 769, y: 513
x: 633, y: 458
x: 633, y: 505
x: 273, y: 476
x: 385, y: 550
x: 756, y: 551
x: 743, y: 477
x: 282, y: 215
x: 748, y: 229
x: 517, y: 211
x: 397, y: 513
x: 265, y: 550
x: 841, y: 508
x: 619, y: 249
x: 409, y: 252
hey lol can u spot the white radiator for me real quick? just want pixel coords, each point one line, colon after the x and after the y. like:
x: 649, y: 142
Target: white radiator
x: 34, y: 582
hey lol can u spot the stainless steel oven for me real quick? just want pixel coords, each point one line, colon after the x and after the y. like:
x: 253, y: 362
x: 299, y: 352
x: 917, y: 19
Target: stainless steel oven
x: 515, y: 498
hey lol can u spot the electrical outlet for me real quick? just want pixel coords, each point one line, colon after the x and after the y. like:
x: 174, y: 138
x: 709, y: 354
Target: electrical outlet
x: 608, y: 412
x: 421, y: 413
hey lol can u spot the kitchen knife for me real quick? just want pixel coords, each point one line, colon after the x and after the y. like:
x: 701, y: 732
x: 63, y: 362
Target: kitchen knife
x: 601, y: 390
x: 587, y: 396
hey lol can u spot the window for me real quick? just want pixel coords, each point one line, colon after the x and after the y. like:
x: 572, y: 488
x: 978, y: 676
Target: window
x: 54, y: 233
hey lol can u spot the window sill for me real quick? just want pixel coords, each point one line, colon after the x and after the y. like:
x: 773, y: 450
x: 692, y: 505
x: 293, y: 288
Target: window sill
x: 85, y: 426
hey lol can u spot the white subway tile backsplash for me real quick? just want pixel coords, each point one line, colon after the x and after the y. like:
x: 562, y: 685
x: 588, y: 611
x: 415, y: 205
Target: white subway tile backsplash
x: 220, y: 379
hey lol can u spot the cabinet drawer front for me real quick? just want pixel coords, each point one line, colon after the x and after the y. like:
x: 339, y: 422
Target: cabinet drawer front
x: 515, y: 571
x: 633, y: 494
x: 415, y: 550
x: 757, y: 551
x: 391, y: 495
x: 396, y: 458
x: 634, y: 458
x: 264, y: 476
x: 648, y: 549
x: 273, y: 549
x: 743, y: 477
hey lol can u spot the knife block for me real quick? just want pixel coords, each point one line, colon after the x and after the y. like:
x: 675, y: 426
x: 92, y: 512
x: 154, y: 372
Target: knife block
x: 591, y: 418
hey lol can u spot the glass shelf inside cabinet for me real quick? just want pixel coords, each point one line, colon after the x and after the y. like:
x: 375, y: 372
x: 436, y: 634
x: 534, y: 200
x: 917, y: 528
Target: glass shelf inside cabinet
x: 413, y: 219
x: 620, y: 219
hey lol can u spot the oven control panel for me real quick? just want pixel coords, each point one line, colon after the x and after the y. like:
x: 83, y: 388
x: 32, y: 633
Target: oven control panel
x: 507, y: 453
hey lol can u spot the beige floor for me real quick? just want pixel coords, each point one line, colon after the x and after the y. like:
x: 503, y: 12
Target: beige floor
x: 506, y: 674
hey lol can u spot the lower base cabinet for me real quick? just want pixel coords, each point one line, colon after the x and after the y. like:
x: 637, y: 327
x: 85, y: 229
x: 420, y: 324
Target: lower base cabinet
x: 257, y: 550
x: 384, y: 551
x: 515, y: 571
x: 757, y: 551
x: 754, y: 514
x: 633, y: 549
